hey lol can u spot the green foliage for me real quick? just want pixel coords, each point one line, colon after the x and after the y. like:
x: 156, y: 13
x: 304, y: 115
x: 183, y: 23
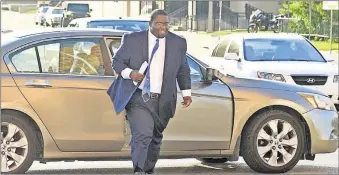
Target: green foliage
x: 320, y: 19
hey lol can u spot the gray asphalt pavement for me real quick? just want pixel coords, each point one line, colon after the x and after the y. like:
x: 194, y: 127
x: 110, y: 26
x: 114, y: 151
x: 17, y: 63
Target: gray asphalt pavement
x: 16, y: 21
x: 323, y: 164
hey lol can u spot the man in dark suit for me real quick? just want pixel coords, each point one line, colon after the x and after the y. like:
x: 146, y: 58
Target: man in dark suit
x: 150, y: 97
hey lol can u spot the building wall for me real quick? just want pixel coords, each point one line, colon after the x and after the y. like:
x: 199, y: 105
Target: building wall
x: 11, y: 2
x: 267, y: 6
x: 112, y: 8
x: 135, y: 5
x: 146, y: 7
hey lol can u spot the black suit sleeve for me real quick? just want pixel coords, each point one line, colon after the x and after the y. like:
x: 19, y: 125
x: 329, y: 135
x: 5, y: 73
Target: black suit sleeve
x: 184, y: 74
x: 121, y: 58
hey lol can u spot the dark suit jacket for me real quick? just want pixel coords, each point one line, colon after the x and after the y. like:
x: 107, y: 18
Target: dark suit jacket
x: 133, y: 52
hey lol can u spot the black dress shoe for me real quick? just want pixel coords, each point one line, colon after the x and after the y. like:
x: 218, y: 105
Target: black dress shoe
x: 138, y: 170
x: 150, y: 172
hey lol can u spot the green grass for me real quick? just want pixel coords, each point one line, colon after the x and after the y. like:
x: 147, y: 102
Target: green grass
x: 31, y: 12
x: 321, y: 45
x: 325, y: 45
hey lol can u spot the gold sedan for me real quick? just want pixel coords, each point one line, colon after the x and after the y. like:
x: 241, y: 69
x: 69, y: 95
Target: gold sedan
x: 54, y: 107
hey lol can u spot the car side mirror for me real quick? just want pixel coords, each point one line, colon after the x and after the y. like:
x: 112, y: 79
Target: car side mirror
x: 232, y: 56
x: 208, y: 75
x: 328, y: 57
x: 330, y: 60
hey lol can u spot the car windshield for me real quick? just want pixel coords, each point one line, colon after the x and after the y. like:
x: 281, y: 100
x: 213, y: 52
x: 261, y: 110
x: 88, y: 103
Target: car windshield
x: 280, y: 50
x: 133, y: 26
x: 45, y: 9
x: 57, y: 11
x: 78, y: 7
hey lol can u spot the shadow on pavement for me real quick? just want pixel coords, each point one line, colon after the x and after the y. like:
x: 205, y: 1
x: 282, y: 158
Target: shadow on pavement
x: 198, y: 168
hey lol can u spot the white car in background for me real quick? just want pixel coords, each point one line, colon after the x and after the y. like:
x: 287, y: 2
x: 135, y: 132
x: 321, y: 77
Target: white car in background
x: 39, y: 17
x: 288, y: 58
x: 53, y: 16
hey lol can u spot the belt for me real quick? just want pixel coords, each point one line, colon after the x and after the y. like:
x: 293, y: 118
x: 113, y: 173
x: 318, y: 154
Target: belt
x: 152, y: 94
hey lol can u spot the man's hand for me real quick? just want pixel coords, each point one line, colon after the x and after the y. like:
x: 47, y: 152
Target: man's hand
x: 187, y: 102
x: 136, y: 76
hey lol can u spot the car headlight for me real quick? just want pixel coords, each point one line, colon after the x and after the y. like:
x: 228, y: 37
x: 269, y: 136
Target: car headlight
x: 319, y: 101
x: 271, y: 76
x: 336, y: 79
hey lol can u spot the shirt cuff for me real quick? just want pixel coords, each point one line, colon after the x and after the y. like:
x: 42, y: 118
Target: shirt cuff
x: 126, y: 73
x: 186, y: 93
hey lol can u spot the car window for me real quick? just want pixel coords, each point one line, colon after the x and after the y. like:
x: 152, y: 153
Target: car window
x: 49, y: 11
x: 113, y: 44
x: 26, y: 61
x: 196, y: 74
x: 80, y: 57
x: 220, y: 50
x: 234, y: 48
x: 78, y: 7
x: 71, y: 56
x: 127, y: 25
x: 45, y: 9
x: 49, y: 57
x: 267, y: 49
x: 57, y: 11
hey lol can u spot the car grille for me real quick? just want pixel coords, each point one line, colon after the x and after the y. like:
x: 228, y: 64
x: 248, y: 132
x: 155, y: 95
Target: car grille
x: 310, y: 80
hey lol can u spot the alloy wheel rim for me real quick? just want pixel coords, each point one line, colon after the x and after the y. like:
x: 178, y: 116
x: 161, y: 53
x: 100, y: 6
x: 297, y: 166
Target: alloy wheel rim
x: 14, y: 147
x: 277, y: 142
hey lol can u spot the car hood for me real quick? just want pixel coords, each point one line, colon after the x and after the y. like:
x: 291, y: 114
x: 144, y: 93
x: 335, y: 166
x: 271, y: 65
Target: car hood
x: 55, y: 15
x: 293, y: 67
x: 267, y: 84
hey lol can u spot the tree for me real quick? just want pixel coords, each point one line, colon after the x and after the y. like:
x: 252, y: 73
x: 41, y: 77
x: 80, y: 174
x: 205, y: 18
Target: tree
x: 300, y: 10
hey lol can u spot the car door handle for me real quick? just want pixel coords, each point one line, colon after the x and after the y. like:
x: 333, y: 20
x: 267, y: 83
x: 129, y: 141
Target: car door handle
x: 38, y: 83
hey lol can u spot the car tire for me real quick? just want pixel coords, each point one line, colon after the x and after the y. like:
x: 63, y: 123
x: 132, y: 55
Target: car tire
x: 213, y: 160
x: 258, y: 137
x: 24, y: 130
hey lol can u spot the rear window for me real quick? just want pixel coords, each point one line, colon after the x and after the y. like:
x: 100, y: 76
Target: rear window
x: 78, y: 7
x: 45, y: 9
x: 133, y: 26
x: 57, y: 11
x: 280, y: 50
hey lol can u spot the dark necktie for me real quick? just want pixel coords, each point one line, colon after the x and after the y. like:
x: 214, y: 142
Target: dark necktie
x: 146, y: 90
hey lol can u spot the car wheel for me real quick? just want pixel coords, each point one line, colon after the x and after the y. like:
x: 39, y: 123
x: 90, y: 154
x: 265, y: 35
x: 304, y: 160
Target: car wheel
x: 19, y: 144
x: 213, y: 160
x: 273, y: 142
